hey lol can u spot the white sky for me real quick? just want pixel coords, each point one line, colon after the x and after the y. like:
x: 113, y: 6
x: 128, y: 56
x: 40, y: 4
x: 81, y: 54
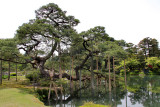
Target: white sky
x: 131, y: 20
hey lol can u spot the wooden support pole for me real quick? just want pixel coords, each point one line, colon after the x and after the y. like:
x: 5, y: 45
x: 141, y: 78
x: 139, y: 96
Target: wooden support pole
x: 55, y: 90
x: 49, y: 93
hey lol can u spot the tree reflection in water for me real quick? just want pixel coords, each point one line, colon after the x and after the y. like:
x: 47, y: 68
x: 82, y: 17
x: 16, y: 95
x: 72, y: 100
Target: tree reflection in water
x: 140, y: 92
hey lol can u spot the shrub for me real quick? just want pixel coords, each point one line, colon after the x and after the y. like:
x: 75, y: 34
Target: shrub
x: 44, y: 82
x: 33, y: 75
x: 132, y: 65
x: 5, y: 76
x: 61, y: 81
x: 153, y: 64
x: 13, y: 74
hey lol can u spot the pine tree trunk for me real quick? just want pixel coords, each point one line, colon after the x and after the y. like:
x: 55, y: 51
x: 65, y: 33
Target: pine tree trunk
x: 63, y: 67
x: 16, y: 70
x: 109, y: 73
x: 114, y: 73
x: 97, y: 63
x: 59, y: 52
x: 9, y: 70
x: 97, y: 70
x: 72, y: 64
x: 71, y: 81
x: 92, y: 75
x: 72, y: 73
x: 97, y: 80
x: 125, y: 73
x: 1, y: 71
x: 80, y: 82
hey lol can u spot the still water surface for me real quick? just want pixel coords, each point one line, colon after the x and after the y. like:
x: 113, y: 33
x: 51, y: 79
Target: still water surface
x: 141, y: 91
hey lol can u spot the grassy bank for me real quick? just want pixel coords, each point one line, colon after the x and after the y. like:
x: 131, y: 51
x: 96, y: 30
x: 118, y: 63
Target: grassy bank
x: 16, y: 97
x: 17, y: 94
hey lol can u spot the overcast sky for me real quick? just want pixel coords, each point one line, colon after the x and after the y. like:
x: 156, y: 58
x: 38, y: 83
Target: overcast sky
x: 131, y: 20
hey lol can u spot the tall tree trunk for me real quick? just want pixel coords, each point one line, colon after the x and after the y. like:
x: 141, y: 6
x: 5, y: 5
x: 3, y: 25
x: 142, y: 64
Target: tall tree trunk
x: 9, y: 69
x: 109, y: 73
x: 145, y: 53
x: 97, y: 70
x: 72, y: 71
x: 59, y: 52
x: 97, y: 62
x: 92, y: 74
x: 72, y: 64
x: 125, y: 74
x: 80, y: 79
x: 110, y: 98
x: 63, y: 67
x: 52, y: 64
x: 71, y: 81
x: 16, y: 70
x: 126, y: 99
x: 114, y: 72
x: 148, y: 48
x: 1, y: 70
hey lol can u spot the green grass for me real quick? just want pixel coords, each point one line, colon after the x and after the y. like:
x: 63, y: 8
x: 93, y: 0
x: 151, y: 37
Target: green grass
x: 21, y: 83
x: 91, y: 104
x: 18, y: 94
x: 16, y: 97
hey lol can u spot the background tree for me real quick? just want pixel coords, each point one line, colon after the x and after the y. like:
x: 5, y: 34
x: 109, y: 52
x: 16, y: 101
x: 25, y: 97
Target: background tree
x: 111, y: 49
x: 131, y: 49
x: 149, y: 47
x: 141, y: 58
x: 8, y: 48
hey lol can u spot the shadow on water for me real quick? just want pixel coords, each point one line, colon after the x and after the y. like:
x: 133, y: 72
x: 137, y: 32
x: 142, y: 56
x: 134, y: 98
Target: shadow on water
x: 138, y: 92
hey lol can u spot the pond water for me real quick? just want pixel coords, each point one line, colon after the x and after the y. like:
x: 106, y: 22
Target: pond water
x: 141, y: 91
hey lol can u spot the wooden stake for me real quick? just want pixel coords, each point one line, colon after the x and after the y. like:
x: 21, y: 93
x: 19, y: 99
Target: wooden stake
x: 49, y: 93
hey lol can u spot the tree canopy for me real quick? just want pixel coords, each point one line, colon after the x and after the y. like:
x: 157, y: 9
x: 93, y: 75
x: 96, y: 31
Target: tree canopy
x: 51, y: 37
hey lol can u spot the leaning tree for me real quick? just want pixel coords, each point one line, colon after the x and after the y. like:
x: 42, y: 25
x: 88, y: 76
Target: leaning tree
x: 53, y: 31
x: 41, y: 37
